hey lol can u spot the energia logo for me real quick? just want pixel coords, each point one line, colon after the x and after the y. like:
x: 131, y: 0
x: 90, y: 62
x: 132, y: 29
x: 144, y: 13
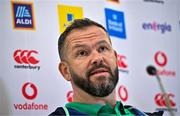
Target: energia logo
x: 154, y: 26
x: 26, y: 59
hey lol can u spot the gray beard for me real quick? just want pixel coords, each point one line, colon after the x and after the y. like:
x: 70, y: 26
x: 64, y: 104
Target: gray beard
x: 103, y: 87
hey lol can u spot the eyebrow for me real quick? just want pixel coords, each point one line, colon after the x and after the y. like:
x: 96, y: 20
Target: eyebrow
x: 102, y: 42
x: 84, y: 45
x: 79, y: 46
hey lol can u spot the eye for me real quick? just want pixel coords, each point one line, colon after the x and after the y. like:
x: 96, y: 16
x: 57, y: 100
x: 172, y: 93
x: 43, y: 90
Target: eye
x: 82, y: 53
x: 103, y: 49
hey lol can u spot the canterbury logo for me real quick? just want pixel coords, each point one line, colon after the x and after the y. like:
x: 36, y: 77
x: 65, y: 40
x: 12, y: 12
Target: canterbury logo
x: 25, y: 56
x: 22, y: 12
x: 122, y: 61
x: 160, y: 100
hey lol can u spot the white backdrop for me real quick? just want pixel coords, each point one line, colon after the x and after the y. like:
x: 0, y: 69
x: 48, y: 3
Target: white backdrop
x: 144, y: 32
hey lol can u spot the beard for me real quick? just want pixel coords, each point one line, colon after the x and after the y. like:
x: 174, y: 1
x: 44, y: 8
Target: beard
x: 103, y: 85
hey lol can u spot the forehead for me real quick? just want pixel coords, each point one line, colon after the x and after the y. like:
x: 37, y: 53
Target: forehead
x: 89, y: 33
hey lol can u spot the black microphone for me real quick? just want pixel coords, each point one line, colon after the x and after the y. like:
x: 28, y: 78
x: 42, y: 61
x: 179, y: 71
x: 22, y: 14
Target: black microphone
x: 151, y: 70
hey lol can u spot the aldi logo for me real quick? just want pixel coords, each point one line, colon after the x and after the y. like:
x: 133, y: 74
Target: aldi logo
x: 115, y: 23
x: 115, y: 1
x: 67, y: 14
x: 23, y: 15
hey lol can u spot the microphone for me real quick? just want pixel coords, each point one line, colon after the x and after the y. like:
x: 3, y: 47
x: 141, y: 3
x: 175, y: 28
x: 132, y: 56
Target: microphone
x: 151, y: 70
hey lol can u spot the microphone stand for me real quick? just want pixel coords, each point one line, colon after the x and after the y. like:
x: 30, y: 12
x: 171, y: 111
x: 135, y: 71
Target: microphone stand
x: 164, y: 94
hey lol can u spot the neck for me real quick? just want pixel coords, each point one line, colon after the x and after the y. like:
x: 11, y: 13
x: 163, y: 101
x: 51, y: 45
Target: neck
x: 83, y: 97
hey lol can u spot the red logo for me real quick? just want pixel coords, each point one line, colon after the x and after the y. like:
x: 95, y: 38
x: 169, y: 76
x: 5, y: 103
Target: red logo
x: 29, y: 91
x: 160, y: 58
x: 25, y: 56
x: 160, y: 100
x: 123, y: 93
x: 122, y: 61
x: 29, y: 86
x: 69, y: 96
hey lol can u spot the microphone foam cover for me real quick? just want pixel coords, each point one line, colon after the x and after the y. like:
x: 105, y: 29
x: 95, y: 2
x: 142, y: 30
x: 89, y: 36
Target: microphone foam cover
x: 151, y: 70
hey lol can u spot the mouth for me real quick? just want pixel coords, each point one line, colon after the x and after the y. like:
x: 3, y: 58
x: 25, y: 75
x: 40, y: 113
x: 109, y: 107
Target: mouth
x: 100, y: 72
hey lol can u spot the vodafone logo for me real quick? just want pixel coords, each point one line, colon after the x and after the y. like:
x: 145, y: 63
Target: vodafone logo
x: 123, y: 93
x: 160, y: 59
x: 160, y: 100
x: 69, y: 96
x: 25, y: 57
x: 122, y: 63
x: 29, y: 91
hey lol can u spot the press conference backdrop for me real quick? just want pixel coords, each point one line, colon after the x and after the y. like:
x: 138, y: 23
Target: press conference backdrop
x: 143, y: 32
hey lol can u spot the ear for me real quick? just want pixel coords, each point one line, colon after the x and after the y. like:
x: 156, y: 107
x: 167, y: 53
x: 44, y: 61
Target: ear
x: 115, y: 53
x: 64, y: 69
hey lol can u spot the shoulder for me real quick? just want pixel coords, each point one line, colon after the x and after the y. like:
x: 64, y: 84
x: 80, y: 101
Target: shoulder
x: 58, y: 111
x: 138, y: 112
x: 61, y: 111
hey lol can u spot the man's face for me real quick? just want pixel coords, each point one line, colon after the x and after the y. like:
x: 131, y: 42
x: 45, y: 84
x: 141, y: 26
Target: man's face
x: 92, y: 61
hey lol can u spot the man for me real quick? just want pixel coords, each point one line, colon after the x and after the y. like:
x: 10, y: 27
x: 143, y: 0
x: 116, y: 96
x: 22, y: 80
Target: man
x: 89, y: 63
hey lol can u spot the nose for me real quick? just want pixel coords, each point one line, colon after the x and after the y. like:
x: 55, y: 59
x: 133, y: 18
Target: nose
x: 97, y: 59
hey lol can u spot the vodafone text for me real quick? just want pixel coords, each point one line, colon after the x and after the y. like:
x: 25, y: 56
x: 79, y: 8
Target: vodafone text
x: 166, y: 73
x: 30, y: 106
